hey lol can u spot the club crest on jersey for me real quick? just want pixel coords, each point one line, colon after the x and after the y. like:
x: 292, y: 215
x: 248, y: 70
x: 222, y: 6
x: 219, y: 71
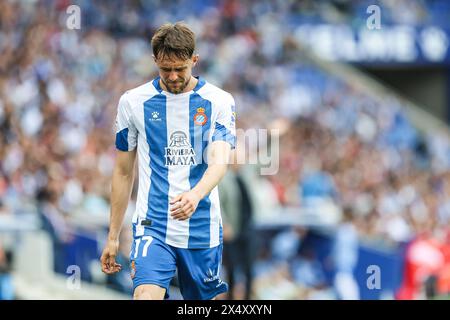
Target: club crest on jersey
x: 179, y: 152
x: 200, y: 117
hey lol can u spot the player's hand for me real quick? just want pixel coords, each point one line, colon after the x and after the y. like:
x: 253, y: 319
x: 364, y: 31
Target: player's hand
x: 184, y: 205
x: 108, y: 259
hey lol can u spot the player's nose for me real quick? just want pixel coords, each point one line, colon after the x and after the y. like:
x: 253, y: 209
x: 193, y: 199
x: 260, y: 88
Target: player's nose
x: 173, y: 76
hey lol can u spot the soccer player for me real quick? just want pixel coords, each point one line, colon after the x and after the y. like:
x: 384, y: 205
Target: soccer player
x: 183, y: 130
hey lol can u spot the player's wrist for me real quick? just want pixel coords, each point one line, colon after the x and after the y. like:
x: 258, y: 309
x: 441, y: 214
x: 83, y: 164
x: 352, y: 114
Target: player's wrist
x: 113, y: 237
x: 198, y: 193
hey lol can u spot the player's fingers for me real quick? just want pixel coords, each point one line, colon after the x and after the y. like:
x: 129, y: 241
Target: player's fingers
x: 187, y: 207
x: 117, y: 268
x: 187, y: 212
x: 104, y: 261
x: 176, y: 199
x: 177, y: 206
x: 185, y: 216
x: 176, y: 209
x: 177, y: 215
x: 181, y: 214
x: 112, y: 261
x: 103, y: 258
x: 113, y: 269
x: 106, y: 269
x: 176, y: 212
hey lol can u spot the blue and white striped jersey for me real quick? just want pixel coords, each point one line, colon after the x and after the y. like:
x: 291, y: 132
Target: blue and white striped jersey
x: 172, y: 133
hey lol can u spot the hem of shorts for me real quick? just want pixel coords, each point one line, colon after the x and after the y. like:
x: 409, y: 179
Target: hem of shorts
x: 225, y: 289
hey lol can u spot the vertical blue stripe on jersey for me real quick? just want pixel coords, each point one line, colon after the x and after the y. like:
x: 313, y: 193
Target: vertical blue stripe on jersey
x: 122, y: 140
x: 156, y: 133
x: 199, y: 224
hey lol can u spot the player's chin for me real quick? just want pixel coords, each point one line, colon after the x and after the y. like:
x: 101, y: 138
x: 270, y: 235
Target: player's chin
x: 176, y: 90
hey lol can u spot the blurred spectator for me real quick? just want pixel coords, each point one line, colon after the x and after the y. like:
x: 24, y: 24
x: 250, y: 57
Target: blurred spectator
x: 286, y: 244
x: 423, y: 261
x: 308, y: 273
x: 54, y: 223
x: 238, y: 201
x: 345, y: 257
x: 6, y: 283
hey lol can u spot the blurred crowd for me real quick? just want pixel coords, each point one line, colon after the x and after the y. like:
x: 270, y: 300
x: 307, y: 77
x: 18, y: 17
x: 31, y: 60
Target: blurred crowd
x: 416, y: 12
x: 339, y: 147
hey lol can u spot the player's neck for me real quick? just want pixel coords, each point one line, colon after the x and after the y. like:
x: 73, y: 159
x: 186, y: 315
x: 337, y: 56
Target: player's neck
x: 191, y: 85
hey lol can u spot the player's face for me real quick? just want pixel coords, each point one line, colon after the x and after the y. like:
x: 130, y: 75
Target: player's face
x: 175, y: 73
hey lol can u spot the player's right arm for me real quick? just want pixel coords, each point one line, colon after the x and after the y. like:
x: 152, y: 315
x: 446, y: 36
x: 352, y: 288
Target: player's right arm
x: 122, y: 181
x: 122, y: 184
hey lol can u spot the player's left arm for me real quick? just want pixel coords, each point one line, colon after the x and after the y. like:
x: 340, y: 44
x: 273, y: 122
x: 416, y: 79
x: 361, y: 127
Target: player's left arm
x: 184, y: 205
x: 219, y: 149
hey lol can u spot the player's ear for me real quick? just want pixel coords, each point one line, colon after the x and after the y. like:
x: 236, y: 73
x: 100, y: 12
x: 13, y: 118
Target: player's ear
x: 195, y: 58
